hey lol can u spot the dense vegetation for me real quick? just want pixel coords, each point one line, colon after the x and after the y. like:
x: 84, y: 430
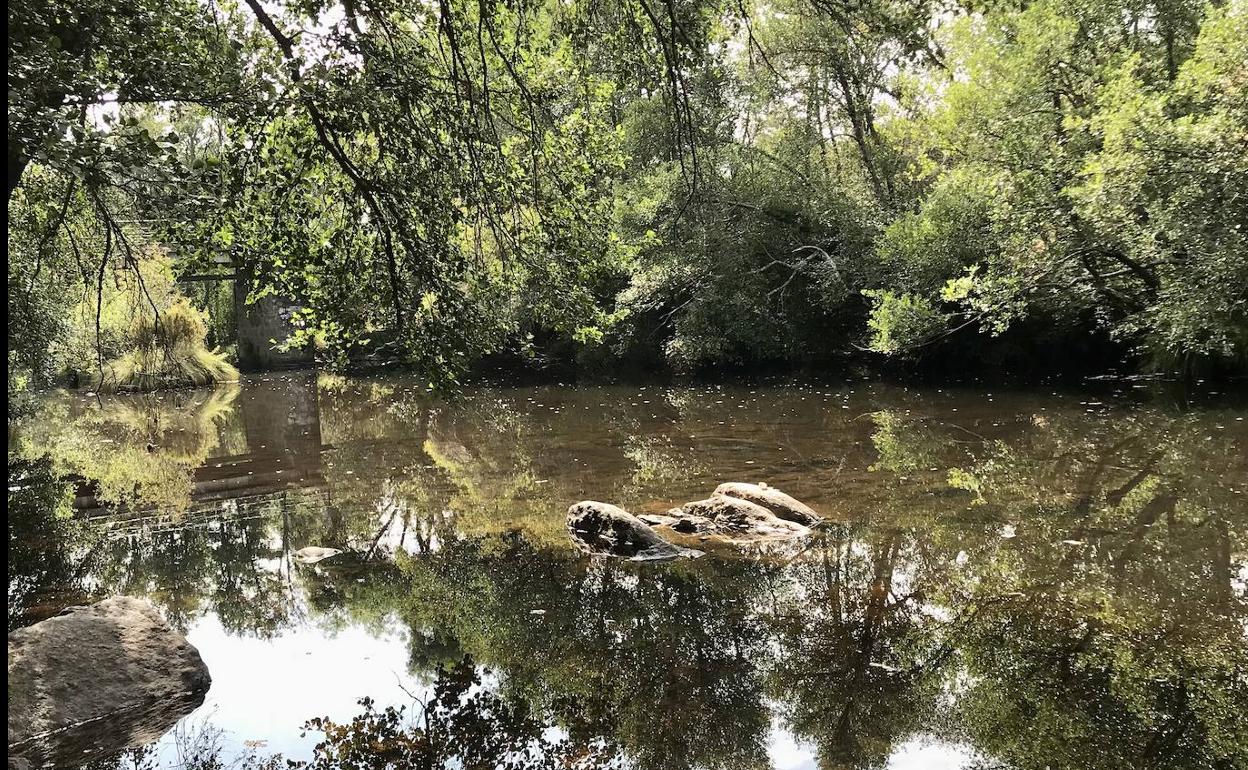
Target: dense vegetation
x: 687, y: 183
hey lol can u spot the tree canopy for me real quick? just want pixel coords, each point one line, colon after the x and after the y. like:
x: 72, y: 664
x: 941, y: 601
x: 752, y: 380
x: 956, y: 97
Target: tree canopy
x: 690, y: 183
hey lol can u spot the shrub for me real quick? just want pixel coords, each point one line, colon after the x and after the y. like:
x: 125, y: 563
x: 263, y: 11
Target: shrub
x: 901, y: 323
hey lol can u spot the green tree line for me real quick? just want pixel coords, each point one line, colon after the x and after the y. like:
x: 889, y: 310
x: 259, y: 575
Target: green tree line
x: 685, y: 184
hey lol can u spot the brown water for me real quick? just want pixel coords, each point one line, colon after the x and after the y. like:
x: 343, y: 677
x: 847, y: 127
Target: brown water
x: 1012, y: 580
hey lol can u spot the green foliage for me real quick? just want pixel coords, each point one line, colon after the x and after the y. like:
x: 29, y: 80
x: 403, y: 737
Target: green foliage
x: 1102, y: 168
x: 1169, y: 188
x: 953, y: 230
x: 45, y: 281
x: 89, y: 294
x: 903, y: 323
x: 704, y: 184
x: 216, y: 298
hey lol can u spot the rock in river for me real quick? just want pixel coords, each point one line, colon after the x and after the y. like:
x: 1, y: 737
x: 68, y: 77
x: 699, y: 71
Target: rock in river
x: 93, y: 681
x: 740, y: 518
x: 782, y: 505
x: 685, y: 525
x: 314, y: 553
x: 604, y: 529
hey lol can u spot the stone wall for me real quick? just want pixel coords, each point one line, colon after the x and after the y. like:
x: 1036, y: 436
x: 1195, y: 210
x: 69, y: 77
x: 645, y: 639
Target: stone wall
x: 263, y: 325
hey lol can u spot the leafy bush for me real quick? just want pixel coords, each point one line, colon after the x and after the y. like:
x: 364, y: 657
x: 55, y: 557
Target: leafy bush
x: 901, y: 323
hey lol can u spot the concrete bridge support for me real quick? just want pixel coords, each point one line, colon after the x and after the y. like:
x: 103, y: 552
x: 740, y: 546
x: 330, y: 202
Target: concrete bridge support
x: 262, y: 326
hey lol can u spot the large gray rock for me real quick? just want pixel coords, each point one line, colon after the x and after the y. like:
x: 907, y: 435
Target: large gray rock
x: 95, y: 680
x: 607, y: 530
x: 740, y: 518
x: 782, y: 505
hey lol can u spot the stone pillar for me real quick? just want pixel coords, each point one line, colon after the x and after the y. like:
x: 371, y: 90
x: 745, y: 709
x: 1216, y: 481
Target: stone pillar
x: 262, y: 326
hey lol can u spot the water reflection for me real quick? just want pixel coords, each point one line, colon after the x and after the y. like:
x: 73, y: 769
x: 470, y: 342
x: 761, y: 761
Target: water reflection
x: 1018, y: 580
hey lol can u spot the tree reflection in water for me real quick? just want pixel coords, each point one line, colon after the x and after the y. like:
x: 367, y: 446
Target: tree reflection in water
x: 460, y: 725
x: 47, y: 554
x: 1045, y: 587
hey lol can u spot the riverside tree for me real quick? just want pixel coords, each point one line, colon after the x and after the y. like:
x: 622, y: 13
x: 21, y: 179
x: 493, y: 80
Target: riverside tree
x: 690, y: 183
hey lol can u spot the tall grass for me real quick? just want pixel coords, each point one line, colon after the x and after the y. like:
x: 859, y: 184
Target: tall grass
x: 167, y: 351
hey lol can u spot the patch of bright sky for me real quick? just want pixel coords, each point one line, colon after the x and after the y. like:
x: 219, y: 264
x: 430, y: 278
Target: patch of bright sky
x: 929, y: 754
x: 787, y: 752
x: 309, y: 45
x: 263, y: 690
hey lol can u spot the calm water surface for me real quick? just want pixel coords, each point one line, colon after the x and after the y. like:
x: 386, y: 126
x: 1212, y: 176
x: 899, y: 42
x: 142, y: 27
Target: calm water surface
x: 1012, y: 579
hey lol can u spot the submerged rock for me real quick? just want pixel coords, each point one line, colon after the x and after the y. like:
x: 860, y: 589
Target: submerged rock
x: 737, y: 517
x: 780, y: 504
x: 314, y: 553
x: 607, y: 530
x: 94, y: 681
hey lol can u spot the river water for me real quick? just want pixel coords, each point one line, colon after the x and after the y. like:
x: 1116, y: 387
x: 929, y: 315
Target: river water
x: 1013, y: 579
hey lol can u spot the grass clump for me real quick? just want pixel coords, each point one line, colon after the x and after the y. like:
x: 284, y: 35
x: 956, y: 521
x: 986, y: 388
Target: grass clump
x: 167, y: 351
